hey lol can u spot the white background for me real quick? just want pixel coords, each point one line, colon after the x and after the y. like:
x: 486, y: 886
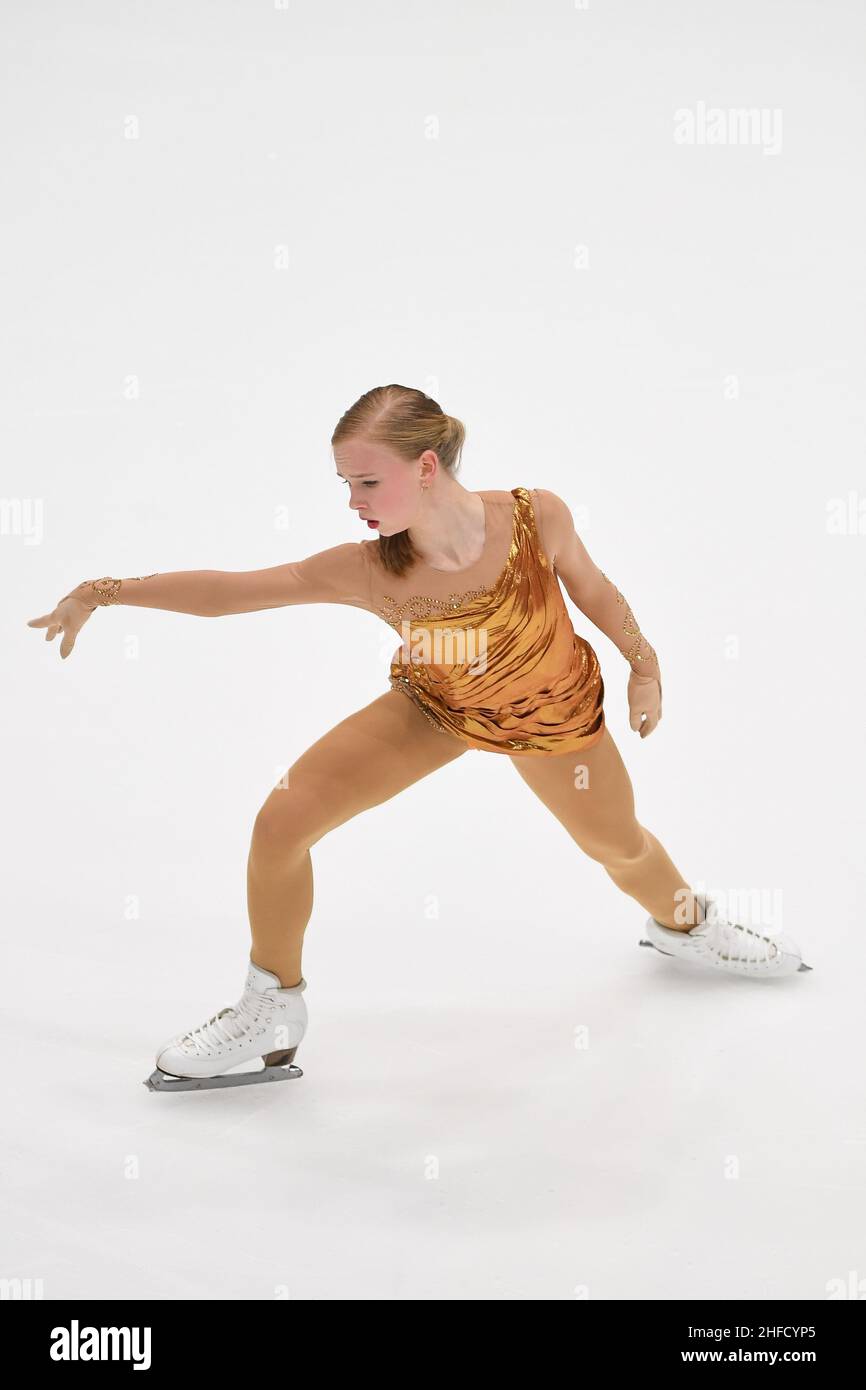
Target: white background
x: 223, y: 223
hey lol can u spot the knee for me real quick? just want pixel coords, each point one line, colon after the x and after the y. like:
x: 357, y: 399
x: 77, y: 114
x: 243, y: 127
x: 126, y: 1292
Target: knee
x: 284, y: 825
x: 623, y: 846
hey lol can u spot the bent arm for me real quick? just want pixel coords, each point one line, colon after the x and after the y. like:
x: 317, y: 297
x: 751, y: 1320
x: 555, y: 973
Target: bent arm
x: 337, y: 575
x: 591, y: 590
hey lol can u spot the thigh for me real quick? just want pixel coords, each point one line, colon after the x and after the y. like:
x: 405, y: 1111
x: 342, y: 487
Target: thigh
x: 364, y: 760
x: 589, y: 792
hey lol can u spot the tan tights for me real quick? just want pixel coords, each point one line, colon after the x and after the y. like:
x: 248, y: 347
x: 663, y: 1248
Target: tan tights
x: 386, y: 746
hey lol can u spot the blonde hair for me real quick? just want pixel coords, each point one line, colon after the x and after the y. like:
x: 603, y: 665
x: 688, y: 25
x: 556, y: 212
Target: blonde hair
x: 408, y: 422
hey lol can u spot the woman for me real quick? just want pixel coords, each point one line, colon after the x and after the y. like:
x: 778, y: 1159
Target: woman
x: 489, y: 660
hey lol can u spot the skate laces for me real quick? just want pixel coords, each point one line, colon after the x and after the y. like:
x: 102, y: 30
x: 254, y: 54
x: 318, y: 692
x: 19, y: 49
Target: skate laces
x: 734, y: 942
x: 228, y: 1025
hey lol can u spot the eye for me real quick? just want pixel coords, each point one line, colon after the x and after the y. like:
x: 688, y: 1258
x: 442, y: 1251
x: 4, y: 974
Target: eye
x: 345, y: 482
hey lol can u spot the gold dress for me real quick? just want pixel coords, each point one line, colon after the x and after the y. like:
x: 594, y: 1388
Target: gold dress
x: 501, y: 667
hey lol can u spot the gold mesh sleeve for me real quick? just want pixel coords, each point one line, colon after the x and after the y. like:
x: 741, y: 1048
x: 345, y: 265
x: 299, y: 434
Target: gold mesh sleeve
x: 611, y: 612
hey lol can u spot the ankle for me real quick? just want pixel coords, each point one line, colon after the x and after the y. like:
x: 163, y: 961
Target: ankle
x: 288, y: 978
x: 695, y: 915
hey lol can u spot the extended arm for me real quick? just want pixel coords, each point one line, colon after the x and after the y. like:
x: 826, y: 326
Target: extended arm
x: 591, y: 590
x: 337, y: 575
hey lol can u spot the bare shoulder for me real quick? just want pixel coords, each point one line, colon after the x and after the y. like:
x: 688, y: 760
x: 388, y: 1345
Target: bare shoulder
x: 497, y: 496
x: 550, y: 501
x: 554, y: 520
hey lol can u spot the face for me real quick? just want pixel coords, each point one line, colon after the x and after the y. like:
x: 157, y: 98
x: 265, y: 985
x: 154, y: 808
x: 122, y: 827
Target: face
x: 382, y: 487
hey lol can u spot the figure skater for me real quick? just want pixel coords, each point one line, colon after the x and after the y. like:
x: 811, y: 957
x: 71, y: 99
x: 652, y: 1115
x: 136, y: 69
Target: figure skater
x: 488, y: 660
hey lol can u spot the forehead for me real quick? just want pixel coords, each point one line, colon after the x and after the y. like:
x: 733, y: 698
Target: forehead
x: 360, y: 457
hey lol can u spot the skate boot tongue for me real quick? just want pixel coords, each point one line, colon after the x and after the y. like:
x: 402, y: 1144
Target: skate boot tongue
x: 259, y: 980
x: 711, y: 916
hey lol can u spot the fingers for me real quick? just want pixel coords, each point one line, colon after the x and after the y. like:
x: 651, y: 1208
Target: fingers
x: 52, y: 627
x: 649, y: 724
x: 640, y: 718
x: 644, y: 721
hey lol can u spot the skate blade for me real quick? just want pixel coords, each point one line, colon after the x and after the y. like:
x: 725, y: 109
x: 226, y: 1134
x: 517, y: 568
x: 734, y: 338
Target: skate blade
x: 164, y: 1081
x: 801, y: 966
x: 654, y: 947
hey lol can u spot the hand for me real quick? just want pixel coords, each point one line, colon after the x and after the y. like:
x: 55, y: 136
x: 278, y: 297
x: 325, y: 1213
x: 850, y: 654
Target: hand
x: 644, y: 697
x: 68, y: 617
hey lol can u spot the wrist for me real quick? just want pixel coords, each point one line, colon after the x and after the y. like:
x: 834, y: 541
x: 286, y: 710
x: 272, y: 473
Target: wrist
x: 96, y: 593
x: 84, y: 594
x: 100, y: 593
x: 647, y: 671
x: 643, y: 660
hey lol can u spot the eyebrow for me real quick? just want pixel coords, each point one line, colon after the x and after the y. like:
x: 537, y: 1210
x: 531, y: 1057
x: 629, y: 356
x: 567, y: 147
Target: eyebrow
x: 355, y: 475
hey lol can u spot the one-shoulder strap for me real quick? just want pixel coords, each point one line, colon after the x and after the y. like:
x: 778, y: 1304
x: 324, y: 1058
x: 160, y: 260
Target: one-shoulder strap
x: 526, y: 513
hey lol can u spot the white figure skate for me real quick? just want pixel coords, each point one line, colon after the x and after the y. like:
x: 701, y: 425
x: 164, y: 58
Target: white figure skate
x: 268, y: 1021
x: 721, y: 945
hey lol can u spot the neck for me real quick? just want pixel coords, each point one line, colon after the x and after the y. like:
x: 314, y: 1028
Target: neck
x: 449, y: 531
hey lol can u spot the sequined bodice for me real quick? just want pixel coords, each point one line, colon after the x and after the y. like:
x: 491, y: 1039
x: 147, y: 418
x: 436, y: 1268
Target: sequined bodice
x: 420, y: 605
